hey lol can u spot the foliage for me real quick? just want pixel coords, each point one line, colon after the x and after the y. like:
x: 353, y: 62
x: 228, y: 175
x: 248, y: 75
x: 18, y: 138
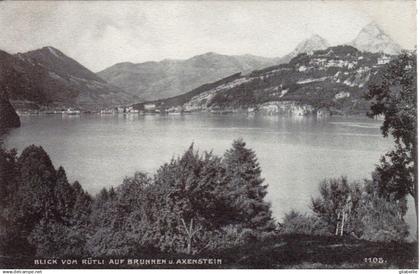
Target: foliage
x: 195, y: 197
x: 369, y: 215
x: 195, y: 202
x: 118, y: 222
x: 298, y: 223
x: 246, y: 190
x: 395, y: 97
x: 377, y: 218
x: 8, y: 116
x: 338, y: 197
x: 228, y: 236
x: 8, y: 188
x: 42, y: 211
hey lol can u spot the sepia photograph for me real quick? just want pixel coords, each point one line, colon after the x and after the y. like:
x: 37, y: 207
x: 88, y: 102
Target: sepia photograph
x: 208, y: 135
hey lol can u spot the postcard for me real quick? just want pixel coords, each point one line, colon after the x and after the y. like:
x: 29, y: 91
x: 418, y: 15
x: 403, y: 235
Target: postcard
x: 208, y: 135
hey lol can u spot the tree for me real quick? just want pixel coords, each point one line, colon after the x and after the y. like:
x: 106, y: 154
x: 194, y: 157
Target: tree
x: 356, y: 209
x: 378, y: 218
x: 35, y: 194
x: 193, y: 203
x: 105, y: 225
x: 394, y: 95
x: 245, y: 187
x: 8, y: 176
x: 197, y: 198
x: 186, y: 202
x: 77, y: 229
x: 336, y: 204
x: 43, y: 211
x: 9, y: 173
x: 82, y: 207
x: 65, y: 196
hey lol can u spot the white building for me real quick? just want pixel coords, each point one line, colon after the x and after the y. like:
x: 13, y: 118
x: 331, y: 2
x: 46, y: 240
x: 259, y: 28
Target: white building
x: 149, y: 106
x: 342, y: 94
x: 384, y: 59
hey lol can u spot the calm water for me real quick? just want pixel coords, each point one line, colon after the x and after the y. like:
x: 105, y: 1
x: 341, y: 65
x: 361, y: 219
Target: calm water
x: 295, y: 153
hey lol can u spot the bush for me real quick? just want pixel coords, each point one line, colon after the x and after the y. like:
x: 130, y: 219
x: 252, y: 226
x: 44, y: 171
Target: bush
x: 297, y: 223
x: 379, y: 218
x: 193, y: 203
x: 367, y: 213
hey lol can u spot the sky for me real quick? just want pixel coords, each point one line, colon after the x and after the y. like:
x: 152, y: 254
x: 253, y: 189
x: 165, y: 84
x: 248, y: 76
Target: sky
x: 99, y: 34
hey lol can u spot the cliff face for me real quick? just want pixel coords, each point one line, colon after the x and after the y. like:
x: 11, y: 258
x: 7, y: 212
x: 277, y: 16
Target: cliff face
x: 8, y: 116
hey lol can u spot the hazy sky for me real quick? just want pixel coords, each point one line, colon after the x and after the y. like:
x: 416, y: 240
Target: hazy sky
x: 100, y: 34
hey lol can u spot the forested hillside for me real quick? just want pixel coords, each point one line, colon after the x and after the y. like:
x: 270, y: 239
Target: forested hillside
x: 333, y: 80
x: 8, y: 116
x: 168, y: 78
x: 47, y: 77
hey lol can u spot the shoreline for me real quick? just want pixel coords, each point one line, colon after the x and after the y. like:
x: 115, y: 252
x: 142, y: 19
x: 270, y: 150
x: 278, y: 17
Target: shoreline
x: 237, y: 113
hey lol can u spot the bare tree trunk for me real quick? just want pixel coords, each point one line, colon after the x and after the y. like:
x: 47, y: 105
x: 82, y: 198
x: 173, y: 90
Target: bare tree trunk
x: 342, y: 223
x: 190, y: 232
x: 189, y: 246
x: 337, y: 225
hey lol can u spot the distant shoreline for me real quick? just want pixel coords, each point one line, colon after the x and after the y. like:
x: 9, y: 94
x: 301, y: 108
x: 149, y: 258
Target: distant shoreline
x: 23, y: 113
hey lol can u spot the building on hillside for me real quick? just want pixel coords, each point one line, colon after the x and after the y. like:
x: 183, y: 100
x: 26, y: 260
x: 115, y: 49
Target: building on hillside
x: 384, y: 59
x: 149, y: 107
x: 342, y: 94
x: 120, y: 109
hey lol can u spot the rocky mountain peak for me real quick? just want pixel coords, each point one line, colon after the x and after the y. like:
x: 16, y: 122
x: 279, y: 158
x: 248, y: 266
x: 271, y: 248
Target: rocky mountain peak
x: 53, y: 51
x: 372, y: 38
x: 315, y: 42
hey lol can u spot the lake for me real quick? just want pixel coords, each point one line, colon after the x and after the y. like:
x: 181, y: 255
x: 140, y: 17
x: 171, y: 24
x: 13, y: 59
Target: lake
x: 295, y: 153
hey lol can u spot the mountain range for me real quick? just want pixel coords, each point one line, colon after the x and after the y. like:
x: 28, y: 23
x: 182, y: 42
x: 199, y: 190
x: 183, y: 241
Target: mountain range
x: 332, y: 80
x: 167, y: 78
x: 48, y: 77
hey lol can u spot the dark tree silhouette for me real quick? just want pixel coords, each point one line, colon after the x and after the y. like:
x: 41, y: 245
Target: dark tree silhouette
x: 245, y: 187
x: 8, y: 116
x: 394, y: 95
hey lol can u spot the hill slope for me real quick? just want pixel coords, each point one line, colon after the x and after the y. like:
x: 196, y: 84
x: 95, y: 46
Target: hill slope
x: 48, y: 77
x: 8, y: 116
x: 331, y: 80
x: 156, y: 80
